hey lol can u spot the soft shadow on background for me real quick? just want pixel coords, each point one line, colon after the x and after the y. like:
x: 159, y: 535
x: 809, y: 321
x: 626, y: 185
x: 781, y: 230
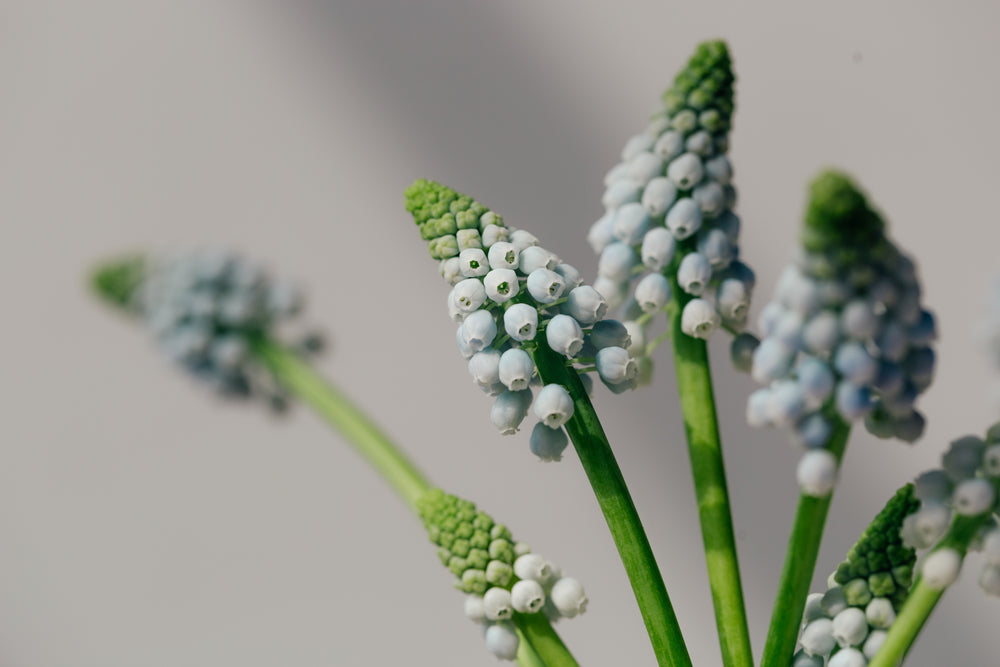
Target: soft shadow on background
x: 145, y: 523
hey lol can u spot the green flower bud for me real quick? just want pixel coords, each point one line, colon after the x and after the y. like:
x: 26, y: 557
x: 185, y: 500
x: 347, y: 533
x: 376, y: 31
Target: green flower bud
x: 449, y: 221
x: 705, y: 84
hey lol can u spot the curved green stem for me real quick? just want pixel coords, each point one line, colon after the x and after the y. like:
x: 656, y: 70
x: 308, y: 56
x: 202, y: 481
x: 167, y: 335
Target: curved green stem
x: 694, y: 384
x: 605, y: 477
x: 800, y: 563
x: 545, y: 643
x: 923, y: 599
x: 526, y: 654
x: 300, y: 379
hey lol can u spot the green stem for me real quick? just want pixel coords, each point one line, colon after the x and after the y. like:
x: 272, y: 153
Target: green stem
x: 694, y: 384
x: 545, y: 643
x: 300, y: 379
x: 526, y: 654
x: 800, y: 563
x: 923, y: 599
x: 605, y: 477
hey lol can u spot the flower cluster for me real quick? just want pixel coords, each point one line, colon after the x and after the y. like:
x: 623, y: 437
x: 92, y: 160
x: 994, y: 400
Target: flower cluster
x: 501, y: 577
x: 851, y: 620
x: 206, y: 309
x: 669, y: 228
x: 967, y: 486
x: 846, y: 336
x: 512, y: 297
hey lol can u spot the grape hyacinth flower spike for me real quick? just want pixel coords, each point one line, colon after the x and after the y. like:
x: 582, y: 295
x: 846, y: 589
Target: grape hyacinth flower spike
x: 669, y: 237
x: 206, y: 310
x: 846, y: 337
x: 503, y: 580
x: 865, y: 593
x: 508, y: 292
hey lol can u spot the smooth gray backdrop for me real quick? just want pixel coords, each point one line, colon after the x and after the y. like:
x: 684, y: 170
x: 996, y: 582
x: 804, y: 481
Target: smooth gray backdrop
x: 143, y: 523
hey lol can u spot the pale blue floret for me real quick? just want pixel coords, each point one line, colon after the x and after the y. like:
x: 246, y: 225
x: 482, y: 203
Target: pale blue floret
x: 924, y: 332
x: 653, y: 292
x: 516, y: 369
x: 875, y: 640
x: 973, y: 496
x: 788, y: 330
x: 817, y: 475
x: 670, y: 145
x: 616, y: 262
x: 858, y: 320
x: 545, y: 286
x: 547, y: 443
x: 571, y: 277
x: 501, y: 285
x: 813, y: 430
x: 963, y: 457
x: 615, y: 365
x: 741, y: 351
x: 564, y: 335
x: 788, y: 402
x: 637, y: 144
x: 684, y: 218
x: 685, y: 171
x: 614, y: 292
x: 536, y: 257
x: 759, y: 408
x: 821, y: 333
x: 478, y: 330
x: 520, y: 321
x: 473, y: 263
x: 805, y: 297
x: 658, y: 248
x: 847, y: 657
x: 711, y: 199
x: 803, y: 659
x: 909, y: 427
x: 502, y: 641
x: 729, y: 223
x: 553, y: 406
x: 509, y: 410
x: 602, y: 232
x: 619, y: 193
x: 493, y: 234
x: 644, y: 166
x: 853, y: 361
x: 880, y: 613
x: 522, y: 239
x: 586, y: 305
x: 893, y: 341
x: 631, y: 223
x: 850, y: 627
x: 817, y: 637
x: 469, y: 295
x: 484, y: 367
x: 616, y: 173
x: 464, y: 348
x: 733, y: 300
x: 699, y: 319
x: 715, y: 246
x: 228, y: 352
x: 694, y: 273
x: 933, y: 486
x: 609, y: 333
x: 719, y: 169
x: 889, y: 380
x: 503, y: 255
x: 816, y: 380
x: 852, y: 401
x: 659, y: 195
x: 767, y: 320
x: 771, y: 360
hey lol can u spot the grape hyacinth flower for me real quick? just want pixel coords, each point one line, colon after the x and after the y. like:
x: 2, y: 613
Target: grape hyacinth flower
x: 668, y: 229
x: 509, y: 294
x: 500, y: 577
x: 865, y: 593
x: 206, y: 309
x: 846, y: 337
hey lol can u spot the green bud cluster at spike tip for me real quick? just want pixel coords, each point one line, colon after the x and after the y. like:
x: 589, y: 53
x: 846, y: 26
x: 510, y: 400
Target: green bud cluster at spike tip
x: 509, y: 293
x: 501, y: 577
x: 846, y: 336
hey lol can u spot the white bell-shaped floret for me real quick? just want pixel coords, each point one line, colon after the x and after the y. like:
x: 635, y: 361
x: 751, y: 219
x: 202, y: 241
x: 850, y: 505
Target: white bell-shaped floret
x: 619, y: 193
x: 586, y: 305
x: 484, y: 367
x: 684, y: 218
x: 858, y: 319
x: 602, y: 232
x: 615, y: 365
x: 451, y: 270
x: 813, y: 608
x: 733, y: 299
x: 609, y: 333
x: 711, y: 199
x: 503, y: 255
x: 880, y: 613
x: 516, y: 369
x: 719, y: 169
x: 758, y: 412
x: 803, y: 659
x: 850, y: 627
x: 876, y: 638
x: 821, y: 333
x: 817, y: 637
x: 475, y: 611
x: 568, y: 596
x: 553, y: 405
x: 847, y: 657
x: 615, y: 292
x: 522, y: 239
x: 644, y: 166
x: 933, y: 486
x: 637, y: 144
x: 855, y: 363
x: 545, y: 286
x: 532, y: 567
x: 478, y: 330
x: 502, y: 640
x: 497, y: 604
x: 546, y: 443
x: 670, y: 145
x: 816, y: 380
x: 817, y: 473
x: 700, y: 142
x: 940, y: 568
x: 509, y: 410
x: 788, y: 403
x: 685, y: 171
x: 652, y: 292
x: 564, y: 335
x: 659, y: 196
x: 991, y: 461
x: 631, y: 223
x: 694, y: 273
x: 699, y: 319
x: 636, y: 338
x: 658, y: 248
x: 501, y: 285
x: 771, y: 360
x: 473, y: 263
x: 493, y: 234
x: 536, y: 257
x: 616, y: 262
x: 570, y: 275
x: 520, y: 321
x: 973, y: 496
x: 527, y: 596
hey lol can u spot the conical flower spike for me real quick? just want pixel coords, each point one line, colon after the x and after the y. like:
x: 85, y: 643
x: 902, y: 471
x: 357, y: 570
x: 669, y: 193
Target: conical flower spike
x: 868, y: 588
x: 499, y: 575
x: 669, y: 208
x: 206, y: 310
x: 508, y: 292
x: 846, y: 336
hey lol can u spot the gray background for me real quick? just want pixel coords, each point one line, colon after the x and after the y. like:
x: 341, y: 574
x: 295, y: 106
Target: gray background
x: 145, y: 523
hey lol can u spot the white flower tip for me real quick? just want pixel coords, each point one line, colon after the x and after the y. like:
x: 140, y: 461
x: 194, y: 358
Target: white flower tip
x: 817, y: 473
x: 940, y: 568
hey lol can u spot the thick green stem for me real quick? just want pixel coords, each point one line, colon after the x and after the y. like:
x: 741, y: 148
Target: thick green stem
x: 526, y: 654
x: 694, y: 384
x: 800, y: 563
x: 923, y: 599
x: 605, y: 477
x: 301, y: 380
x: 545, y: 643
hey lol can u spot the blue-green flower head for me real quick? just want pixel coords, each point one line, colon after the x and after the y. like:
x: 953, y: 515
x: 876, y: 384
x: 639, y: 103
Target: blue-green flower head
x: 847, y: 335
x: 206, y: 310
x: 510, y: 296
x: 669, y: 237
